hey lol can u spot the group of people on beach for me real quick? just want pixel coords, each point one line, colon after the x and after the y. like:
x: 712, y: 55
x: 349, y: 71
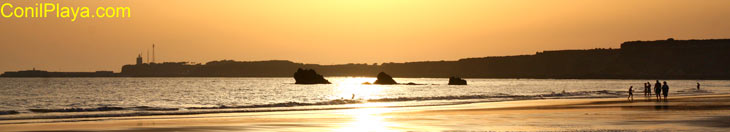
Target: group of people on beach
x: 659, y: 90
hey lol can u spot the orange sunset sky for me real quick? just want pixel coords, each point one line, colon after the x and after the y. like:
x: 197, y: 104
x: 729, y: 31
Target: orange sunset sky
x: 346, y: 31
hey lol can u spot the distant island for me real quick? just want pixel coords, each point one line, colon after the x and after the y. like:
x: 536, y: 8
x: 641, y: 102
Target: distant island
x: 660, y: 59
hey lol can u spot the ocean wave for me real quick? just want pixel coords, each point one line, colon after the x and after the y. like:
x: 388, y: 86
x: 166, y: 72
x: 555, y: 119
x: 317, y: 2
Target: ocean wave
x: 337, y: 102
x: 104, y: 108
x: 9, y: 112
x: 69, y: 113
x: 287, y: 104
x: 563, y: 94
x: 398, y: 99
x: 147, y: 108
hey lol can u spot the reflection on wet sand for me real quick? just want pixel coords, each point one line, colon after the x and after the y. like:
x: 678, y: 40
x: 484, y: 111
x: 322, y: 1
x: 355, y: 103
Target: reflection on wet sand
x: 368, y: 119
x: 698, y: 113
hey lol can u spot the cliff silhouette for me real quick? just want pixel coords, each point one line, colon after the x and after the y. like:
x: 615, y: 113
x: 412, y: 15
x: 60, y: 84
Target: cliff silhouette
x: 660, y: 59
x: 667, y: 59
x: 41, y: 73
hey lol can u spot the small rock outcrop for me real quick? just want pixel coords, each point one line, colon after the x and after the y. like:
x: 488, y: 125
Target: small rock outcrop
x: 456, y: 81
x: 384, y: 79
x: 309, y: 76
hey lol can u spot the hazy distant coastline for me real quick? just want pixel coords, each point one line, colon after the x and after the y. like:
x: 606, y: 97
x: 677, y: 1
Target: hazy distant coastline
x: 660, y: 59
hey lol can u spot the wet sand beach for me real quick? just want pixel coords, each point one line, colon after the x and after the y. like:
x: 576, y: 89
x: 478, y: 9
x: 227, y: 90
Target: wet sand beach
x: 687, y: 113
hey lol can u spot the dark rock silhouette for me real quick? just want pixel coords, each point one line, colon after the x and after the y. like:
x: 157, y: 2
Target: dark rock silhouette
x: 384, y: 79
x: 309, y: 76
x: 412, y: 83
x: 456, y: 81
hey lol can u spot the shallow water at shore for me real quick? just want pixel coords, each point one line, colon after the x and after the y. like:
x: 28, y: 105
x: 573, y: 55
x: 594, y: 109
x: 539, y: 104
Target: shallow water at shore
x: 52, y: 98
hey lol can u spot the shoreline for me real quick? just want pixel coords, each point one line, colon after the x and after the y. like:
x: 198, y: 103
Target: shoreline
x: 337, y: 104
x: 460, y: 116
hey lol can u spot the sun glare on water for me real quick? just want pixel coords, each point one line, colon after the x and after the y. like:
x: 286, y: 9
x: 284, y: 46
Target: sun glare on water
x: 353, y: 88
x: 366, y: 118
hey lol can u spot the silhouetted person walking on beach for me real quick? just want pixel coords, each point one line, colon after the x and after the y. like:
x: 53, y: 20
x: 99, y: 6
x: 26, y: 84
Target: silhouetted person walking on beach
x: 658, y: 90
x: 647, y: 89
x: 665, y: 90
x: 631, y: 94
x: 698, y: 86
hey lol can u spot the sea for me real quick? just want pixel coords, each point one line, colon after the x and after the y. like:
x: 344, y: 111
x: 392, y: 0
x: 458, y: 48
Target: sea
x: 74, y: 98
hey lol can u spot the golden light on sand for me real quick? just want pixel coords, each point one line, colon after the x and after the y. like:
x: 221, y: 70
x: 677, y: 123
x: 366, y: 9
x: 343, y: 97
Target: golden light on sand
x: 368, y: 119
x: 350, y: 86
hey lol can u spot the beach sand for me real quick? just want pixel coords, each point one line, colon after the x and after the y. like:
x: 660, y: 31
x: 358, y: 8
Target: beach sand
x: 688, y: 113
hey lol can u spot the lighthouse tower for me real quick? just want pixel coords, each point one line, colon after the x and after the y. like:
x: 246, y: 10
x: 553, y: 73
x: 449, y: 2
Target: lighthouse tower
x: 139, y: 59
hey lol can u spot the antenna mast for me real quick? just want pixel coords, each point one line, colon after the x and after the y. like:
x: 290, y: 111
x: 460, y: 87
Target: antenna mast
x: 153, y: 52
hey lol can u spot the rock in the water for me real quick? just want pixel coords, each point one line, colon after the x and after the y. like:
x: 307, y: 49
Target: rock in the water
x: 384, y: 79
x: 309, y: 76
x: 456, y: 81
